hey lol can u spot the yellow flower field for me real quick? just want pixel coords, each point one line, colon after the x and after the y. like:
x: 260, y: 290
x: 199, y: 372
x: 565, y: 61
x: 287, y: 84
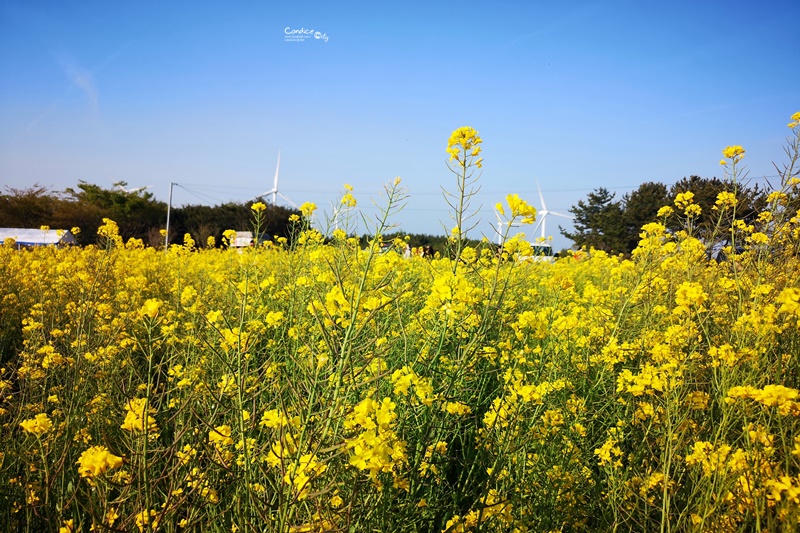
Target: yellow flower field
x: 325, y: 387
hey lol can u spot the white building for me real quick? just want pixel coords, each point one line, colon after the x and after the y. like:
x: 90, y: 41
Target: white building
x: 24, y: 237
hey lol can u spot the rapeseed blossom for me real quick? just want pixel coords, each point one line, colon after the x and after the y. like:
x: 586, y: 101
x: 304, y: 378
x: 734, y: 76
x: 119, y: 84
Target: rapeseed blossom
x: 684, y: 199
x: 307, y: 209
x: 137, y: 416
x: 348, y: 199
x: 665, y: 212
x: 220, y: 436
x: 690, y: 294
x: 147, y: 518
x: 725, y: 200
x: 735, y: 152
x: 789, y: 298
x: 377, y: 447
x: 96, y: 460
x: 38, y: 425
x: 150, y: 308
x: 521, y: 208
x: 465, y: 143
x: 610, y: 454
x: 300, y: 474
x: 784, y: 398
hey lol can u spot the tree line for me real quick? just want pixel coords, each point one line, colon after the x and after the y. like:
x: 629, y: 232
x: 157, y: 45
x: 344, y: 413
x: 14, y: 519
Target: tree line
x: 601, y: 221
x: 613, y: 225
x: 138, y: 214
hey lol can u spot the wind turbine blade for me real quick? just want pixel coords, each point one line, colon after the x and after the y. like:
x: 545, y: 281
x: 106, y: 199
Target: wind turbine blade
x: 560, y: 215
x: 541, y: 197
x: 277, y: 169
x: 274, y: 191
x: 538, y: 225
x: 498, y: 229
x: 263, y: 195
x: 287, y: 200
x: 334, y: 220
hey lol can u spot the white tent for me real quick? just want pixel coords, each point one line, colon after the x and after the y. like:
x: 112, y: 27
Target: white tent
x: 37, y: 237
x: 243, y: 239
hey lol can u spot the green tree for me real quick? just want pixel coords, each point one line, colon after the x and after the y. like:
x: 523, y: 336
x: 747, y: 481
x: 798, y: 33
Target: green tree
x: 639, y: 208
x: 28, y: 208
x: 135, y: 212
x: 598, y: 222
x: 203, y: 221
x: 750, y: 201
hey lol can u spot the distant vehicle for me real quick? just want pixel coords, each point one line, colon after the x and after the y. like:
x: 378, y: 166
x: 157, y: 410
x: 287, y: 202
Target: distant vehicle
x: 542, y: 253
x: 716, y: 251
x: 542, y: 250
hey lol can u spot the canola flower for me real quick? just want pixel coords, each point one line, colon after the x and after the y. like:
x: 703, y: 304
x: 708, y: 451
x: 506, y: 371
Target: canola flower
x: 96, y: 460
x: 519, y: 209
x: 377, y: 447
x: 348, y: 200
x: 137, y: 416
x: 684, y: 199
x: 38, y: 425
x: 150, y: 308
x: 733, y: 152
x: 220, y: 436
x: 725, y: 200
x: 145, y: 520
x: 784, y: 398
x: 307, y: 209
x: 465, y: 143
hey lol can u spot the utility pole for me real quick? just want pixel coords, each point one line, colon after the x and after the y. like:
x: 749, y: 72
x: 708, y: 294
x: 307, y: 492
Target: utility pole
x: 169, y: 208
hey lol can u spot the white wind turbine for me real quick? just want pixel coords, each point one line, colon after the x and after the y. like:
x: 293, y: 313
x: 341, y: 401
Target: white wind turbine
x: 542, y: 215
x: 121, y: 186
x: 274, y: 192
x: 503, y: 223
x: 335, y: 211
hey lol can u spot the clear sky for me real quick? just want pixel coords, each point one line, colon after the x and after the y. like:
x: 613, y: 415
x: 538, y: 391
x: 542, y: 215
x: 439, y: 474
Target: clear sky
x: 574, y: 94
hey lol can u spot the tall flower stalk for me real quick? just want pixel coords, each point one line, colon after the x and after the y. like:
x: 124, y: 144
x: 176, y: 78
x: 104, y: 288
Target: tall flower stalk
x: 464, y: 147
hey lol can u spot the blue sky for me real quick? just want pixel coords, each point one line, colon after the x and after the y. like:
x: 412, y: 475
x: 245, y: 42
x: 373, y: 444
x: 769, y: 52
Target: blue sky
x: 576, y: 95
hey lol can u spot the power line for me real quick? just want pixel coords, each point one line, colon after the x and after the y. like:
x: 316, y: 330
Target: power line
x: 199, y: 196
x: 195, y: 189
